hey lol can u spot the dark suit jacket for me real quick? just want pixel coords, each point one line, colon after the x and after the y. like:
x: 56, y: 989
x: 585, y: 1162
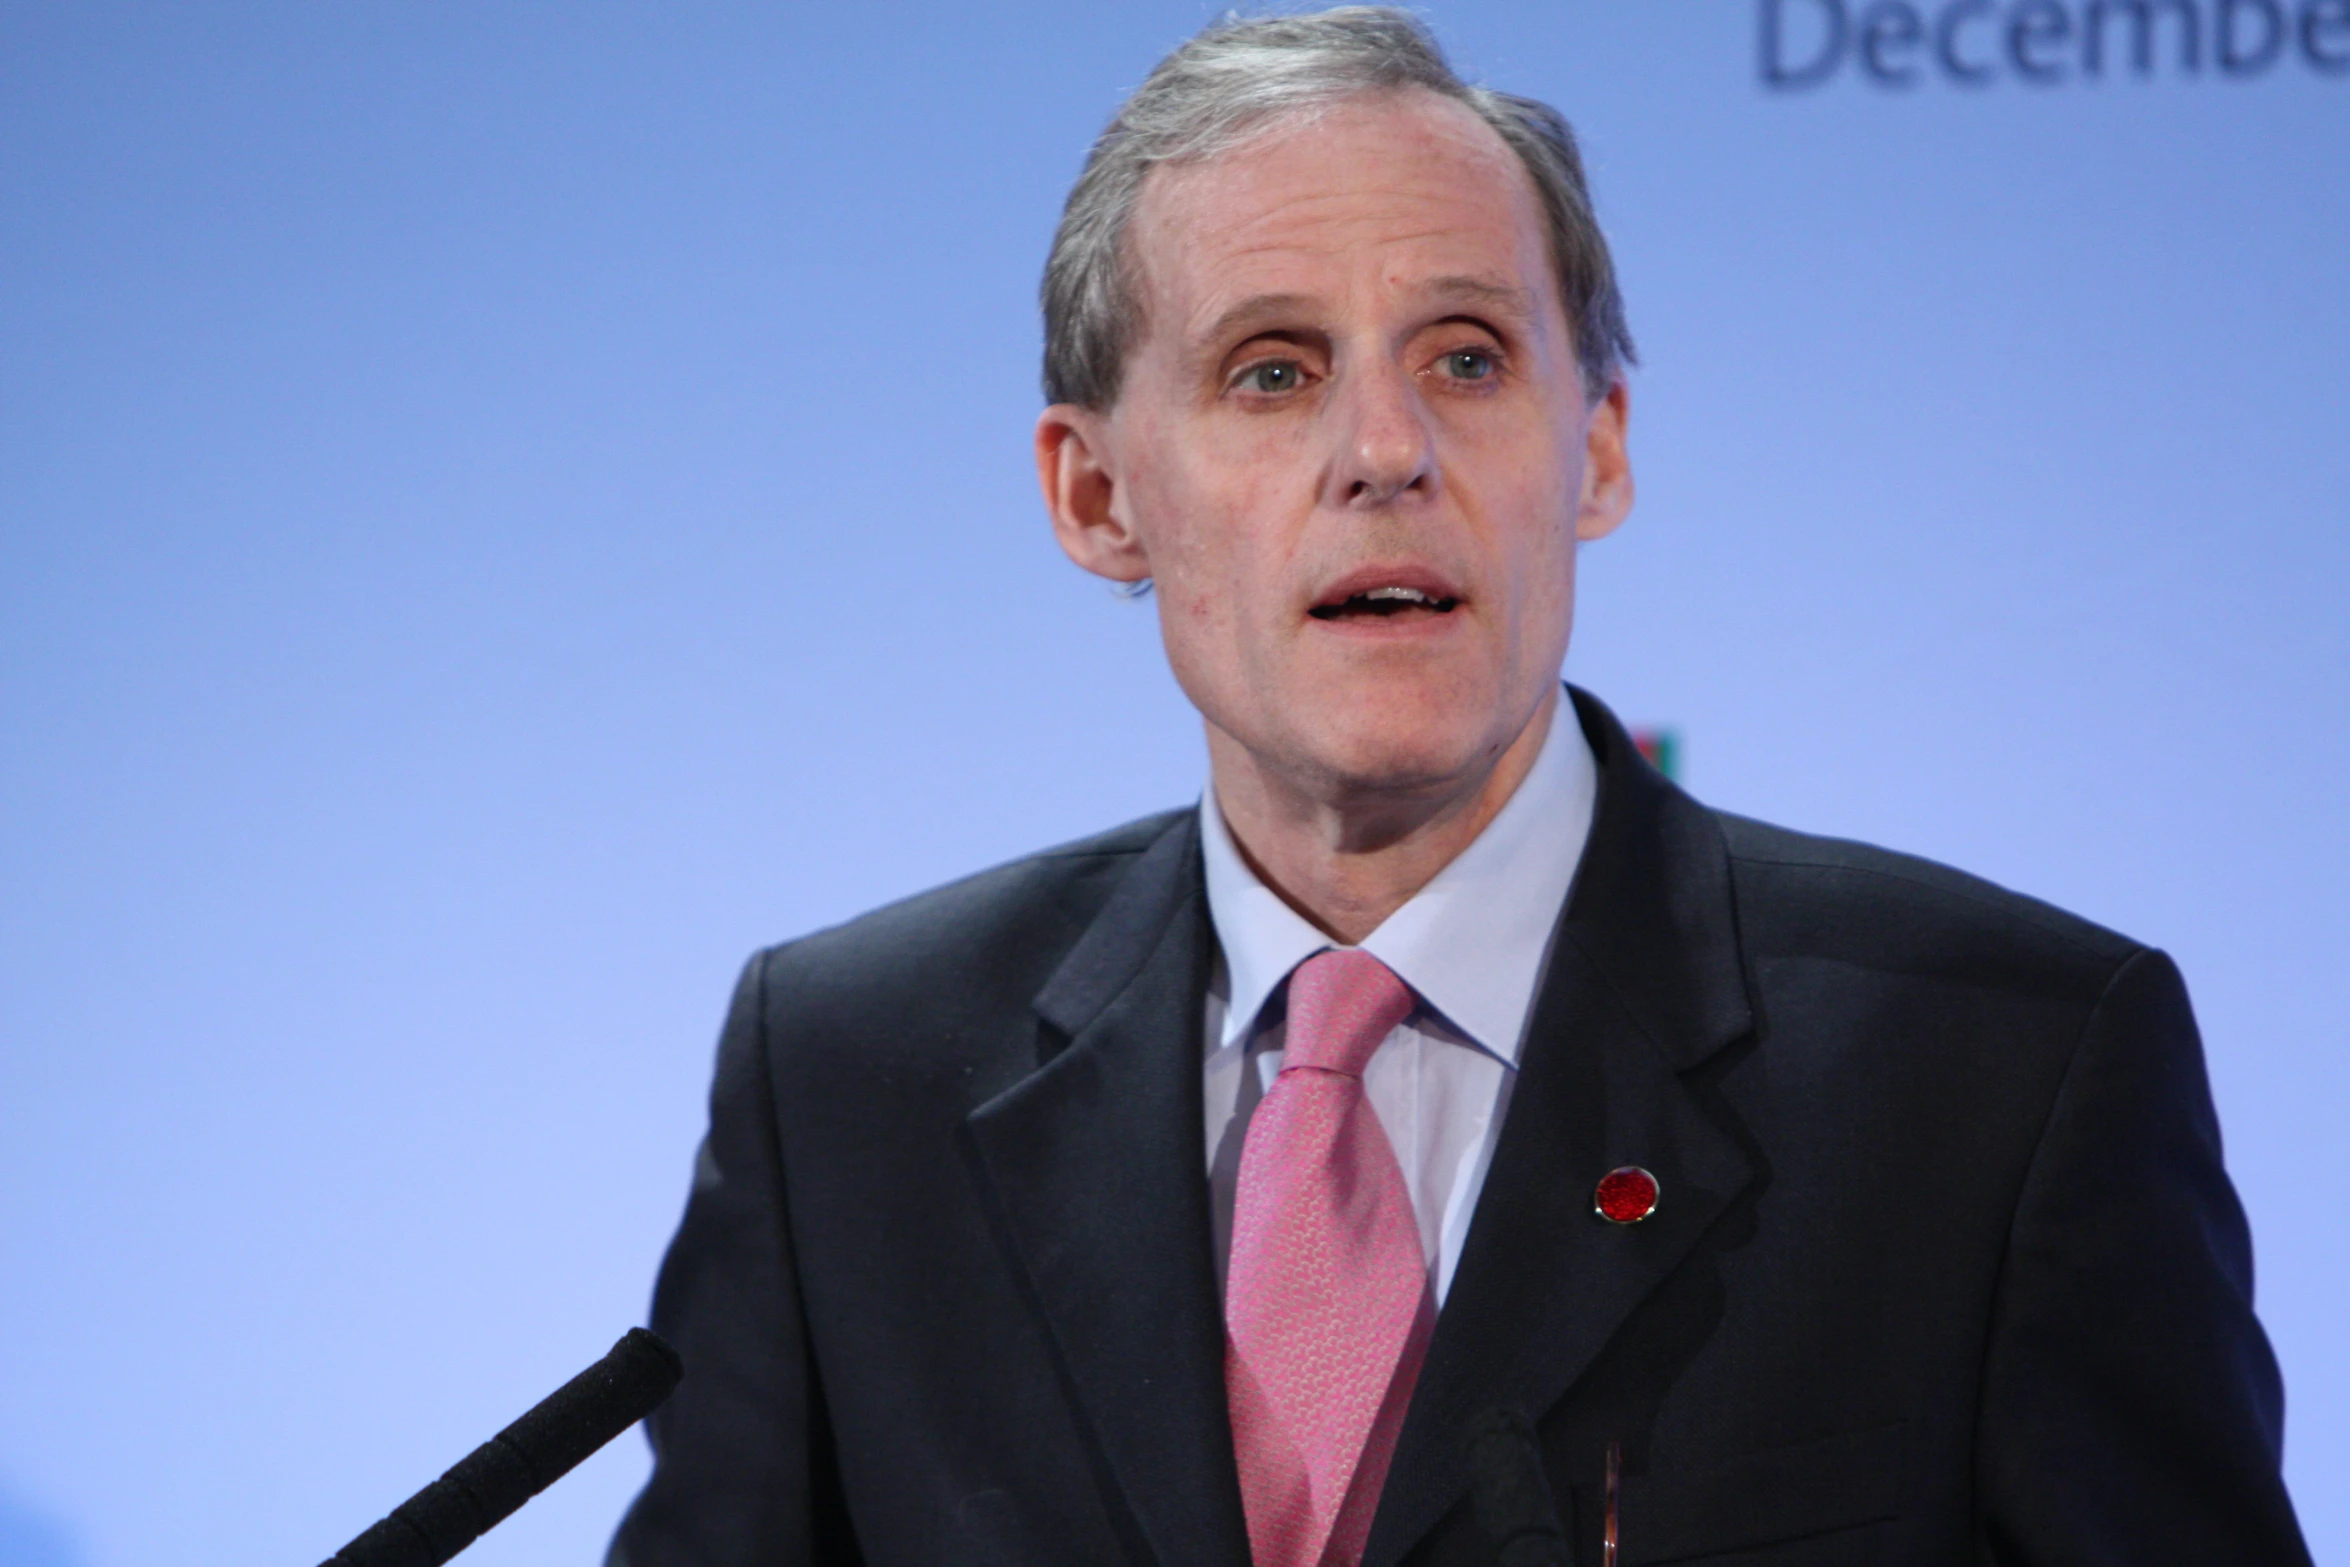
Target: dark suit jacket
x: 1945, y: 1268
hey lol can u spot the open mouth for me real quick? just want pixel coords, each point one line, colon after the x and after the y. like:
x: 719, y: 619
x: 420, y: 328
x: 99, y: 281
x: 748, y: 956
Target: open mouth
x: 1384, y: 604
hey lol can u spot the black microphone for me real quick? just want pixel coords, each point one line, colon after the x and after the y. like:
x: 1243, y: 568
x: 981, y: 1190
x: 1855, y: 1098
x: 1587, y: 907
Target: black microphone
x: 1511, y: 1493
x: 522, y: 1460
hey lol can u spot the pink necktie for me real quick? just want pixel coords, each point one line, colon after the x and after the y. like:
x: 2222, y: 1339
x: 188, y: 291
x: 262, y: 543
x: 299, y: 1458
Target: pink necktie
x: 1326, y: 1306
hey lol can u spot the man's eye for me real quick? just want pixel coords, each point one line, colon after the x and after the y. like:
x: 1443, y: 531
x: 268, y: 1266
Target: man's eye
x: 1467, y: 364
x: 1273, y: 375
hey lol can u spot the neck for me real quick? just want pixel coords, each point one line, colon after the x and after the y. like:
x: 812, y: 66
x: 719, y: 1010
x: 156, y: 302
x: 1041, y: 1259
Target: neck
x: 1346, y: 863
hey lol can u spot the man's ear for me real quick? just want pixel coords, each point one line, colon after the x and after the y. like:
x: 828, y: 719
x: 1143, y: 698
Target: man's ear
x: 1607, y: 467
x: 1081, y: 494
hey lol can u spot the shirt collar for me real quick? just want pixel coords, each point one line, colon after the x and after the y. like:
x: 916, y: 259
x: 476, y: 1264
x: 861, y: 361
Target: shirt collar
x: 1471, y: 943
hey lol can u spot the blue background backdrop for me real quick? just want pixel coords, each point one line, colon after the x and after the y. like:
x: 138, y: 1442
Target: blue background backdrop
x: 507, y: 508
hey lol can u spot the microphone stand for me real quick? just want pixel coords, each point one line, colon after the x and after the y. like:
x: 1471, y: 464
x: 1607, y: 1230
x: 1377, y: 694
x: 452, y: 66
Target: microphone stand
x: 522, y: 1460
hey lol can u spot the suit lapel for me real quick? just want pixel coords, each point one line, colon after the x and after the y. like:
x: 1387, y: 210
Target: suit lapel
x: 1643, y: 984
x: 1096, y: 1173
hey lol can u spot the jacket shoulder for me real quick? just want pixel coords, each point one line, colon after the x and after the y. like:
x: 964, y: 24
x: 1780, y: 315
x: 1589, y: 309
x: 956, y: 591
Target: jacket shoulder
x: 990, y: 939
x: 1806, y: 897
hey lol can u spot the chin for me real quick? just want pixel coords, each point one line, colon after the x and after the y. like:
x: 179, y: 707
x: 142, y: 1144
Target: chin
x: 1406, y: 752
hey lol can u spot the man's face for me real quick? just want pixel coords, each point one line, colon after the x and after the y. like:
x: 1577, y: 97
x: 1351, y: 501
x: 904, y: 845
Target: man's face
x: 1352, y: 447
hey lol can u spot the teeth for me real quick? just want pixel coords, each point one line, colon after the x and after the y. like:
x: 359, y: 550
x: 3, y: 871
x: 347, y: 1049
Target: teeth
x: 1382, y: 601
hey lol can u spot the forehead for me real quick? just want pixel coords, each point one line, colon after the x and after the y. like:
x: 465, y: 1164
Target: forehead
x: 1389, y: 193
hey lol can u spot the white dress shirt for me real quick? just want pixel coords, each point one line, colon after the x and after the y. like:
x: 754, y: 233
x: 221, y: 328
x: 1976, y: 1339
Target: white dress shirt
x: 1472, y: 945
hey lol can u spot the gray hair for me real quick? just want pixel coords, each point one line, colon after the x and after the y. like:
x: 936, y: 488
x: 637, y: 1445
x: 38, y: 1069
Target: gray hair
x: 1232, y: 81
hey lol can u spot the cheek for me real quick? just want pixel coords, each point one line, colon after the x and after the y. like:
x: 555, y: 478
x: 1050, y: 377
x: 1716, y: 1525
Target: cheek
x: 1196, y: 525
x: 1533, y: 554
x: 1182, y: 530
x: 1538, y: 521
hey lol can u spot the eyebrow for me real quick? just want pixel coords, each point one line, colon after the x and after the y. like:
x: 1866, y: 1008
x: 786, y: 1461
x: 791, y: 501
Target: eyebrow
x: 1507, y: 298
x: 1256, y: 310
x: 1259, y: 309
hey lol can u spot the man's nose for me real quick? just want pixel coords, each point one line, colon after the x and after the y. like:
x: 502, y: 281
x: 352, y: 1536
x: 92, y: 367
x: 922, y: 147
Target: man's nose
x: 1385, y: 447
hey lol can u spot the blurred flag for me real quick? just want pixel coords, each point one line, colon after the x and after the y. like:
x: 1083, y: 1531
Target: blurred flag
x: 1662, y: 747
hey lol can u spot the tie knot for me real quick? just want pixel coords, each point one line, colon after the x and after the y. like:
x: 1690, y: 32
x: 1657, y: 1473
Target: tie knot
x: 1341, y: 1004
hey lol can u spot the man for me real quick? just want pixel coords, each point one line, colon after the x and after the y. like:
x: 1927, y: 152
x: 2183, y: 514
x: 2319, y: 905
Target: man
x: 1196, y: 1193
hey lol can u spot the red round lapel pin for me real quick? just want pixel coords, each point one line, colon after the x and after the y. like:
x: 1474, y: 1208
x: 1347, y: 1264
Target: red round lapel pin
x: 1625, y: 1195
